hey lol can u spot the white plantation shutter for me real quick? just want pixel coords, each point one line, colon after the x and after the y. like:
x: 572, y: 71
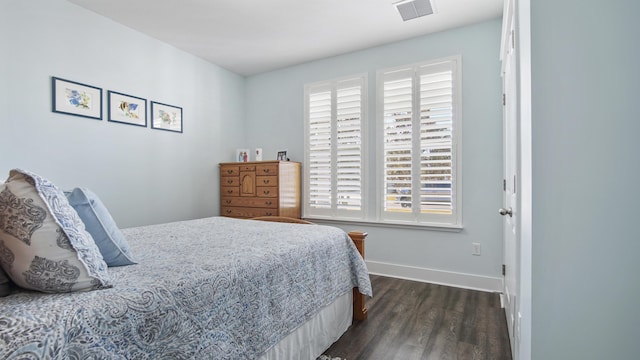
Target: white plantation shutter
x: 436, y: 139
x: 334, y: 113
x: 319, y: 150
x: 419, y: 108
x: 349, y: 146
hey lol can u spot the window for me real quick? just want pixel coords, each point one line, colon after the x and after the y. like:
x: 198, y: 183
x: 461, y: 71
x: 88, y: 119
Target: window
x: 418, y: 143
x: 334, y: 115
x: 416, y: 175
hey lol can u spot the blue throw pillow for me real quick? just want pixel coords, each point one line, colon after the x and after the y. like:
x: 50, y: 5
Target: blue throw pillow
x: 100, y: 224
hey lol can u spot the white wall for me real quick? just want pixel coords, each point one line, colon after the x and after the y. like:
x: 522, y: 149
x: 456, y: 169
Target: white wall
x: 143, y: 175
x: 585, y: 122
x: 275, y: 116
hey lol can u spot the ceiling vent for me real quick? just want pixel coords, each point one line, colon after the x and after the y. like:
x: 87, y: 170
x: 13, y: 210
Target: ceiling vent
x: 411, y: 9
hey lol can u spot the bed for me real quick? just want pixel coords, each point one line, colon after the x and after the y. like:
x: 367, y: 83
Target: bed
x: 212, y: 288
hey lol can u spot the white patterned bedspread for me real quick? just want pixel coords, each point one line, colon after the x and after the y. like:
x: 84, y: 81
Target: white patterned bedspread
x: 214, y: 288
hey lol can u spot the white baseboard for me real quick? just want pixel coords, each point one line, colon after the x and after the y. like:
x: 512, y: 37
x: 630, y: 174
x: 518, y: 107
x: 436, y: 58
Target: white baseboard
x: 461, y: 280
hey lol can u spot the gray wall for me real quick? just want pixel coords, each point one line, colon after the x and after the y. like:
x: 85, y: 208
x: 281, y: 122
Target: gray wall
x: 275, y: 116
x: 143, y: 175
x: 585, y: 96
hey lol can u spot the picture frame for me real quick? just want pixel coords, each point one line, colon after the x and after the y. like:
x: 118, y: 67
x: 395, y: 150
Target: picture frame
x: 282, y: 155
x: 166, y: 117
x: 242, y: 155
x: 126, y: 109
x: 258, y: 154
x: 77, y: 99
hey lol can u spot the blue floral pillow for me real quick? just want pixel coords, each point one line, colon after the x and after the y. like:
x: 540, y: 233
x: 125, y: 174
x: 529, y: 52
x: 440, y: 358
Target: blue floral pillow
x: 99, y: 223
x: 43, y: 243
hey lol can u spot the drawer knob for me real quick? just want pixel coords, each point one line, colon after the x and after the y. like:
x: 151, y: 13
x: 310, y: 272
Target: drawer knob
x: 229, y: 181
x: 266, y: 181
x: 229, y: 171
x: 268, y: 203
x: 266, y: 170
x: 266, y: 192
x: 228, y: 202
x: 229, y: 191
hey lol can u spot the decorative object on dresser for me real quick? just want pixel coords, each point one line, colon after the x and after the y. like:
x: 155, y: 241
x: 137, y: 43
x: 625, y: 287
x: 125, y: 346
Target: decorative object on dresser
x: 260, y: 188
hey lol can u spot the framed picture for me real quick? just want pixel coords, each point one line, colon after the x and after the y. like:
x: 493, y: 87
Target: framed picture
x: 242, y: 155
x: 73, y: 98
x: 258, y: 154
x: 166, y: 117
x: 282, y: 155
x: 126, y: 109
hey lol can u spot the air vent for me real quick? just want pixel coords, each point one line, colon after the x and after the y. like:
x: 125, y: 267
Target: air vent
x: 411, y: 9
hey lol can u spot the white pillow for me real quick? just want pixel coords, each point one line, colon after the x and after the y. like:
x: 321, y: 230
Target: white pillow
x: 43, y: 243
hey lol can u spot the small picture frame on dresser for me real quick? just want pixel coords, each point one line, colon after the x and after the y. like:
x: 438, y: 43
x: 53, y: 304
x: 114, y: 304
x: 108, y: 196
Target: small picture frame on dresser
x: 242, y: 155
x: 282, y: 155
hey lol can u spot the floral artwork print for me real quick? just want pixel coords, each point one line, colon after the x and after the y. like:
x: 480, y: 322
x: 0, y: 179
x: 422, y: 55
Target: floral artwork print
x: 73, y: 98
x: 166, y: 117
x: 78, y: 99
x: 129, y: 110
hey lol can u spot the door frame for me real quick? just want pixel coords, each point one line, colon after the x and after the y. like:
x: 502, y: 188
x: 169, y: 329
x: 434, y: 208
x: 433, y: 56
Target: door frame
x: 511, y: 175
x: 522, y: 25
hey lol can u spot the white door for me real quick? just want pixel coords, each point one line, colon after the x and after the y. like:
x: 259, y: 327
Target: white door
x: 511, y: 170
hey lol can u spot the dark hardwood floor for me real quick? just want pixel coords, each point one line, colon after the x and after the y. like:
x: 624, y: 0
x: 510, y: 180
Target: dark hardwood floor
x: 413, y: 320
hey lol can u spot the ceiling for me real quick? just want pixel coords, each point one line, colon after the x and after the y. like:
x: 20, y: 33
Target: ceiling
x: 254, y: 36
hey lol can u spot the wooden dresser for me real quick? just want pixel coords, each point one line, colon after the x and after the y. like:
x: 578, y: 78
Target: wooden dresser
x: 261, y: 188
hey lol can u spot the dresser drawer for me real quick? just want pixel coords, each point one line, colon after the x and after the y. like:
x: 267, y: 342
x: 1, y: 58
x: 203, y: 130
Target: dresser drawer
x: 230, y: 170
x: 230, y: 191
x: 230, y: 181
x: 239, y: 212
x: 267, y: 181
x: 267, y: 169
x: 267, y: 191
x: 247, y: 168
x: 246, y: 202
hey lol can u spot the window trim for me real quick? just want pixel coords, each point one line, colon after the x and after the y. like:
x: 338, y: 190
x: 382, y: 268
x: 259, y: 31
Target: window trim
x: 453, y: 221
x: 372, y: 186
x: 334, y: 213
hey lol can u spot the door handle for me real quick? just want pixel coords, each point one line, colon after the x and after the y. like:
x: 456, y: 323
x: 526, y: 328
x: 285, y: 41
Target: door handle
x: 504, y: 212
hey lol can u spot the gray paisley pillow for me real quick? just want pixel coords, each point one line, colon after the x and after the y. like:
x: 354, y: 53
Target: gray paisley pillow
x: 43, y: 243
x: 5, y: 284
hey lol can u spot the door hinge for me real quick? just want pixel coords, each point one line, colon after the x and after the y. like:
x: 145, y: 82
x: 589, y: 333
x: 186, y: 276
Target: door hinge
x: 504, y: 99
x: 504, y: 184
x: 504, y: 269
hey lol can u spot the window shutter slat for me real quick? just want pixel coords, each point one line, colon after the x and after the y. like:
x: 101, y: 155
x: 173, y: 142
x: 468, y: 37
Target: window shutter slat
x: 334, y: 146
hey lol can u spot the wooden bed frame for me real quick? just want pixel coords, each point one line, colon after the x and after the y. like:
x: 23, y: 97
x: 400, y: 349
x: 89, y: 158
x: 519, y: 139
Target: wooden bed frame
x: 359, y: 306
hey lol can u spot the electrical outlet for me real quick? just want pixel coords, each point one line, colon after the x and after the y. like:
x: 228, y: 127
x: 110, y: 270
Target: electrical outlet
x: 476, y: 249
